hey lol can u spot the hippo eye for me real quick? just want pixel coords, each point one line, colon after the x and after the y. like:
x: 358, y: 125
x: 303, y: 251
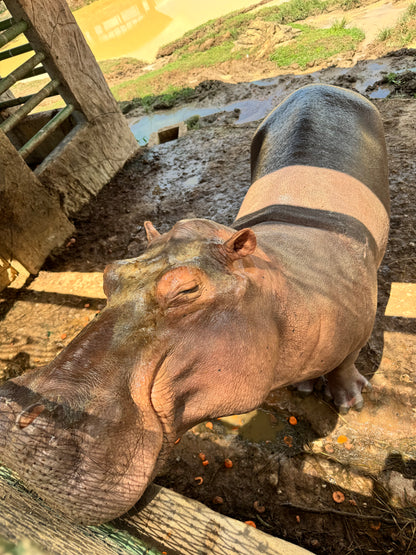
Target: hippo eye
x: 179, y: 286
x: 184, y: 295
x: 193, y: 289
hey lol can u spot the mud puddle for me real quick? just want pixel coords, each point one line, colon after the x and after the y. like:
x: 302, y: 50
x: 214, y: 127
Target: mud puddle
x: 249, y: 110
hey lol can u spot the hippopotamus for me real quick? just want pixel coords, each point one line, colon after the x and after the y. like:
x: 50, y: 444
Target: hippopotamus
x: 210, y: 318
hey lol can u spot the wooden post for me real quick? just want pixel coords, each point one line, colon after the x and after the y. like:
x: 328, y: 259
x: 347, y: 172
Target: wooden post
x: 31, y: 221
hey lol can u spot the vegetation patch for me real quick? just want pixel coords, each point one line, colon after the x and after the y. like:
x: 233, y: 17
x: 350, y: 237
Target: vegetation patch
x: 315, y: 45
x: 117, y: 67
x: 404, y: 32
x: 295, y: 10
x: 235, y: 23
x: 172, y: 96
x: 156, y: 81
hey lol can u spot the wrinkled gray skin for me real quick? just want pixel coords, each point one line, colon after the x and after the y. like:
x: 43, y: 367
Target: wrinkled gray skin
x: 206, y: 323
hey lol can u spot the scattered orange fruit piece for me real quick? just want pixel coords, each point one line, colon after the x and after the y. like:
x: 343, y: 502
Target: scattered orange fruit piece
x: 288, y: 440
x: 209, y: 425
x: 177, y: 441
x: 205, y: 463
x: 259, y: 508
x: 293, y: 420
x: 199, y: 480
x: 298, y: 519
x: 201, y: 456
x: 228, y: 463
x: 63, y: 335
x: 87, y: 305
x: 342, y: 439
x: 338, y: 497
x: 250, y: 523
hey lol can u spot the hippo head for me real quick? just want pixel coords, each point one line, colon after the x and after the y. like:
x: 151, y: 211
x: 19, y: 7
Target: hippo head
x: 176, y: 344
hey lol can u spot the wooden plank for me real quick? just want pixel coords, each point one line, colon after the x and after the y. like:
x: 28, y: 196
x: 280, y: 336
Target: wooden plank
x: 31, y: 220
x: 28, y: 106
x: 21, y: 72
x: 190, y: 528
x: 12, y: 32
x: 45, y: 131
x: 16, y: 51
x: 163, y: 518
x: 87, y: 159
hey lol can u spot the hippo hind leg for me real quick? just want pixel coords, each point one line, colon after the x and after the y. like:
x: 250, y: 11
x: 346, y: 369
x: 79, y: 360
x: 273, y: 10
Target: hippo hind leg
x: 345, y: 385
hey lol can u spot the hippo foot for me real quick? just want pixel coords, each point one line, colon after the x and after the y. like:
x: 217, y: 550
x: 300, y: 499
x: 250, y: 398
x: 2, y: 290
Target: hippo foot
x: 307, y: 387
x: 345, y: 385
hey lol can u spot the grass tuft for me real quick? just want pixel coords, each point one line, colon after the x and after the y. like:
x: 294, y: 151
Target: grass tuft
x: 315, y: 45
x: 404, y: 32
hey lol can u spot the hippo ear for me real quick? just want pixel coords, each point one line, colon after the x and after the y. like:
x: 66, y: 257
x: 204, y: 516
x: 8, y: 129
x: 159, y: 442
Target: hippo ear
x: 151, y: 231
x: 241, y: 244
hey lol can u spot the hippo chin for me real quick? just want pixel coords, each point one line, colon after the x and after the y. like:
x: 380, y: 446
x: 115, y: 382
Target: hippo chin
x: 210, y: 319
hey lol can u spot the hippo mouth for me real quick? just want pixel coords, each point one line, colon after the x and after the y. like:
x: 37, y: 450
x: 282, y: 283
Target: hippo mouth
x: 91, y: 468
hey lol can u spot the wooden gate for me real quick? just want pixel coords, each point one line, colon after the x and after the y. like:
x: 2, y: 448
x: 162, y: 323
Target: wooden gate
x: 51, y: 163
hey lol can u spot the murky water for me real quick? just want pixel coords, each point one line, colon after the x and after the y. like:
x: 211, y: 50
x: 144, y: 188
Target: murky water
x: 250, y: 110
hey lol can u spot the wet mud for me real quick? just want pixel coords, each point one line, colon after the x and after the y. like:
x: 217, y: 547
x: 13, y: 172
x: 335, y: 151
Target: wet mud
x: 331, y: 483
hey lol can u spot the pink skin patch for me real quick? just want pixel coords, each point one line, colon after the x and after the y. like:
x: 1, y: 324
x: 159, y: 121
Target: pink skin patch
x: 320, y: 189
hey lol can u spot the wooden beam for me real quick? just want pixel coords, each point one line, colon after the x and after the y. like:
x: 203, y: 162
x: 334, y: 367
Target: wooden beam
x: 31, y: 219
x: 163, y: 518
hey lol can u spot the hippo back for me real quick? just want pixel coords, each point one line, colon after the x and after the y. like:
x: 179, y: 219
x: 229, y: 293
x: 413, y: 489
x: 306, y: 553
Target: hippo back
x: 320, y: 160
x: 327, y: 127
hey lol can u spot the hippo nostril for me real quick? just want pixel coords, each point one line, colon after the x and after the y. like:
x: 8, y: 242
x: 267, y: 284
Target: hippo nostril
x: 28, y: 415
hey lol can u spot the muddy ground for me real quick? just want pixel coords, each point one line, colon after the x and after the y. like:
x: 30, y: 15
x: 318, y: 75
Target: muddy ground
x: 331, y: 483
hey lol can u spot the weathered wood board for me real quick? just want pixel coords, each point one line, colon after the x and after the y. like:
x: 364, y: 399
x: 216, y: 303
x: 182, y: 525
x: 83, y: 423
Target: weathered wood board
x: 31, y: 220
x: 163, y: 518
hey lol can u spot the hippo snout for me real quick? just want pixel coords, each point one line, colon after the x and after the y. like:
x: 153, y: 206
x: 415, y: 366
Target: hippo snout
x: 88, y: 460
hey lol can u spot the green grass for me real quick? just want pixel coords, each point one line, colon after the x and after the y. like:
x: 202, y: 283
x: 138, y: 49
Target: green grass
x: 404, y: 32
x: 236, y: 23
x: 350, y: 4
x: 230, y: 27
x: 317, y: 45
x: 295, y: 10
x: 153, y: 82
x: 167, y: 99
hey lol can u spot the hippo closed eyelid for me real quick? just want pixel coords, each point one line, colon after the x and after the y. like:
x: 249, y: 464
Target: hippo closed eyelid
x: 180, y: 285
